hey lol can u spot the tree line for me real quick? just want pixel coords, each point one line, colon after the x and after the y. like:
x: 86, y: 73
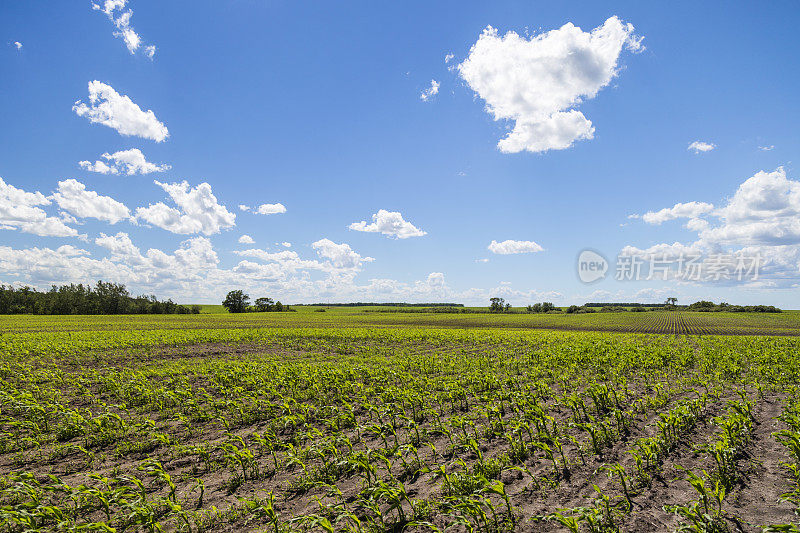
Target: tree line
x: 239, y: 302
x: 387, y: 304
x: 499, y: 305
x: 104, y: 298
x: 706, y: 306
x: 624, y: 304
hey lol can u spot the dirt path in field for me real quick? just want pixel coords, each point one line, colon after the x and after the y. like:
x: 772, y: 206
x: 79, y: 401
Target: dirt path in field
x: 756, y: 503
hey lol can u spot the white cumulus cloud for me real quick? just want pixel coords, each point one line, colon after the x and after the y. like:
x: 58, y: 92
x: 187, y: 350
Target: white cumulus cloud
x: 72, y: 197
x: 120, y: 246
x: 264, y: 209
x: 537, y: 82
x: 686, y: 210
x: 270, y: 209
x: 198, y: 210
x: 18, y: 45
x: 21, y: 210
x: 129, y: 162
x: 246, y: 239
x: 514, y: 247
x: 389, y: 223
x: 194, y: 269
x: 761, y: 219
x: 764, y: 210
x: 101, y: 167
x: 189, y: 266
x: 108, y: 107
x: 339, y: 255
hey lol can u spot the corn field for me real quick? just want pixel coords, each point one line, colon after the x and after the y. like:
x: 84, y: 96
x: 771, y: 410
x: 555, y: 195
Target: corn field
x: 338, y: 425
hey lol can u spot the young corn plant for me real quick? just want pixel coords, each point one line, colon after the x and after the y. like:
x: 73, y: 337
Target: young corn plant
x: 704, y: 515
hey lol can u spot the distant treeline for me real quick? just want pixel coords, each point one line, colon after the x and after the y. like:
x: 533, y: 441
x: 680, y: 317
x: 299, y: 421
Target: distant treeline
x: 434, y: 309
x: 600, y: 304
x: 392, y: 304
x: 102, y: 299
x: 704, y: 305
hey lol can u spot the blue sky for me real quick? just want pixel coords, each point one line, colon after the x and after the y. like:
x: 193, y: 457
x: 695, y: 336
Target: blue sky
x: 318, y: 108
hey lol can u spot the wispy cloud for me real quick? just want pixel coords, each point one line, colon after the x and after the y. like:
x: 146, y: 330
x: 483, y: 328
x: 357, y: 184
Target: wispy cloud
x: 701, y: 146
x: 121, y: 17
x: 430, y: 92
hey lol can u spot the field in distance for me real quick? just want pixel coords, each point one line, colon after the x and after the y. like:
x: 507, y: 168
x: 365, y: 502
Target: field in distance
x: 353, y: 421
x: 674, y: 322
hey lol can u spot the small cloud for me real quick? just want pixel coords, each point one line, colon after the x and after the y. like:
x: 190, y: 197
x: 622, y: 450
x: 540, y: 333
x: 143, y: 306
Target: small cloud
x: 701, y: 146
x: 18, y: 45
x: 129, y: 162
x: 690, y: 210
x: 270, y: 209
x: 264, y: 209
x: 390, y: 223
x: 448, y: 58
x: 286, y: 244
x: 767, y: 148
x: 484, y: 260
x: 246, y: 239
x: 98, y: 166
x: 514, y: 247
x: 430, y: 92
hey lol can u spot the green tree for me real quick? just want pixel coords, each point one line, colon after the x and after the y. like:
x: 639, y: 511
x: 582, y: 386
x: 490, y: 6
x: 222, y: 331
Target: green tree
x: 263, y: 304
x: 236, y: 301
x: 496, y: 305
